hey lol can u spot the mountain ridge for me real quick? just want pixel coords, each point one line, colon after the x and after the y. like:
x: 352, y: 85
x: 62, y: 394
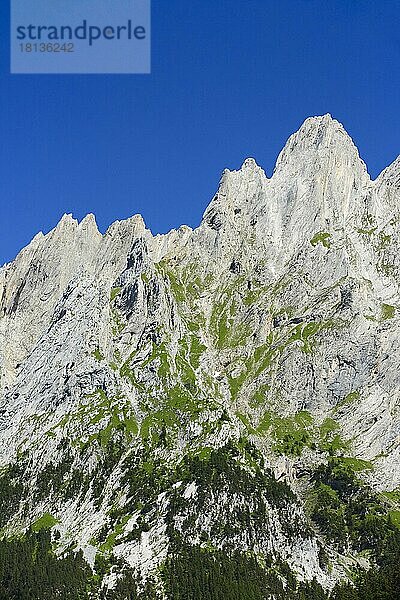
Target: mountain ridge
x: 391, y: 169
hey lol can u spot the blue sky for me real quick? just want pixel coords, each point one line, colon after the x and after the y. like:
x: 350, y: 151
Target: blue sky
x: 230, y: 79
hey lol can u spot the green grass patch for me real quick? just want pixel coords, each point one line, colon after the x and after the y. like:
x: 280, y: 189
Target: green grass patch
x: 393, y: 496
x: 110, y: 542
x: 292, y: 434
x: 367, y: 231
x: 394, y: 516
x: 387, y: 311
x: 322, y: 237
x: 356, y: 464
x: 46, y: 521
x: 349, y: 399
x: 115, y: 291
x: 97, y: 355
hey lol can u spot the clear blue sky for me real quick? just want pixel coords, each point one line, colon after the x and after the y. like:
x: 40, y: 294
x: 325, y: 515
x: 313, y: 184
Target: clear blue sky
x: 230, y: 79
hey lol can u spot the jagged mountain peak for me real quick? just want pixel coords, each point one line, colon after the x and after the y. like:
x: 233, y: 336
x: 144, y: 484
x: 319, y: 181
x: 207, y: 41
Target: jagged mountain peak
x: 321, y: 140
x: 318, y: 132
x: 89, y: 222
x: 319, y: 184
x: 391, y: 174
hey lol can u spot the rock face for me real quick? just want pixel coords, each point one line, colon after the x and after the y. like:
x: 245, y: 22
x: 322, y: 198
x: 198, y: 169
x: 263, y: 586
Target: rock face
x: 194, y: 391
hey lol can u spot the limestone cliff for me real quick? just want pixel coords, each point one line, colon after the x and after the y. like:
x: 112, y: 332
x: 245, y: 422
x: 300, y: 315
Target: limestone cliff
x: 196, y: 389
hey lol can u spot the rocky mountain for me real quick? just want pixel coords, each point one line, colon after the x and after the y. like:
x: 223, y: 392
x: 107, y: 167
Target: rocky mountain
x: 211, y: 413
